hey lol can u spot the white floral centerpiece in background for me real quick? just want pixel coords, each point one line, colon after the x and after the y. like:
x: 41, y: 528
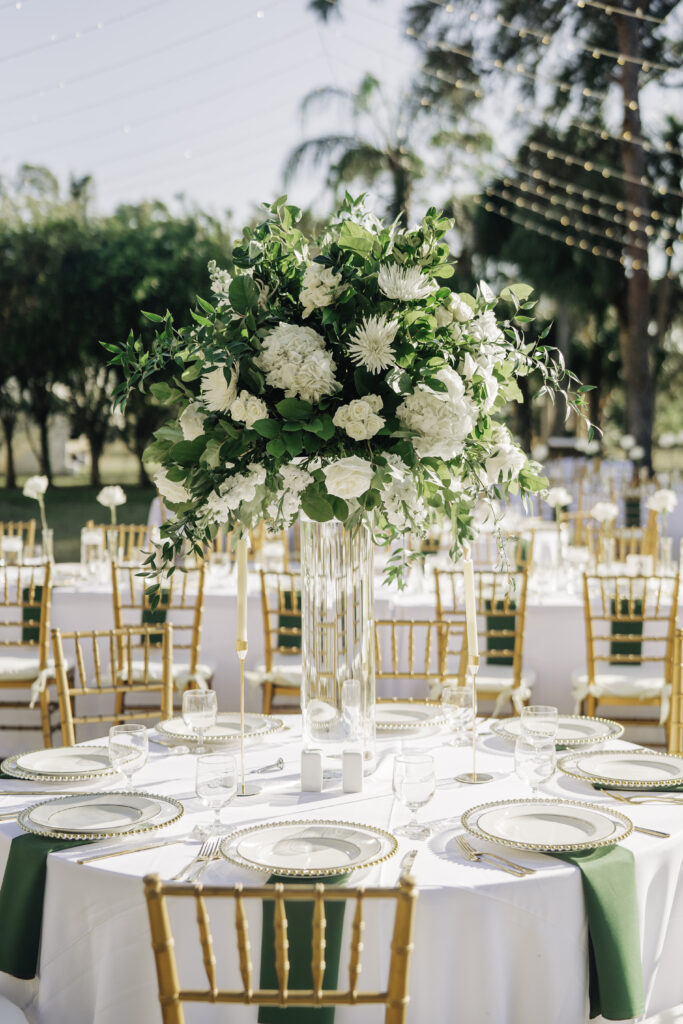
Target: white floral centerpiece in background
x: 112, y: 497
x: 604, y: 512
x: 339, y: 377
x: 35, y: 487
x: 662, y: 502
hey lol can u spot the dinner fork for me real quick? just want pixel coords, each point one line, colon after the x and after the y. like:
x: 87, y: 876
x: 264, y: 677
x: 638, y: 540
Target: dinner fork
x: 510, y: 866
x: 644, y: 798
x: 206, y: 852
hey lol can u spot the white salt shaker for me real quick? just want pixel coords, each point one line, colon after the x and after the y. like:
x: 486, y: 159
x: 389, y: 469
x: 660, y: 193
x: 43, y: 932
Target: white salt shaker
x: 352, y: 771
x: 311, y: 771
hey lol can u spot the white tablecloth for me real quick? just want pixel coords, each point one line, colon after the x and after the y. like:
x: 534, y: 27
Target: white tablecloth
x: 488, y: 946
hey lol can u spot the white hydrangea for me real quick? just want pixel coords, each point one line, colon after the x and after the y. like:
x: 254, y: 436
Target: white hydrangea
x: 371, y: 345
x: 247, y: 409
x: 440, y: 420
x: 320, y: 288
x: 359, y: 418
x: 404, y: 508
x: 220, y: 281
x: 233, y: 492
x: 406, y: 284
x: 217, y: 394
x: 286, y: 503
x: 506, y: 459
x: 192, y: 422
x: 485, y: 329
x: 296, y: 360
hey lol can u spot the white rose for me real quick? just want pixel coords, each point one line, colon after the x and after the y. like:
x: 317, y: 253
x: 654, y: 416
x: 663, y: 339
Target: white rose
x: 112, y: 497
x: 359, y: 418
x: 35, y: 487
x: 348, y: 478
x: 192, y: 422
x: 173, y: 492
x: 248, y: 408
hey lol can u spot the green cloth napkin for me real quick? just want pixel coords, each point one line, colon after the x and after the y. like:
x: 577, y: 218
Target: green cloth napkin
x: 21, y: 902
x: 632, y: 511
x: 609, y: 892
x: 152, y: 616
x: 622, y: 647
x: 300, y: 934
x: 675, y: 788
x: 500, y: 643
x: 31, y: 634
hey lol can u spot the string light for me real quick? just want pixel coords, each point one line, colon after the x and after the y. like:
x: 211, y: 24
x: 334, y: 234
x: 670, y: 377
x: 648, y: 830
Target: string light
x: 611, y: 9
x: 606, y: 172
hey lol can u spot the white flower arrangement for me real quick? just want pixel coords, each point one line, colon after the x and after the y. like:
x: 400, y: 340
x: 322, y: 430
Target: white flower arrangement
x: 662, y: 501
x: 604, y: 512
x: 558, y: 497
x: 35, y: 487
x: 339, y: 377
x: 112, y: 497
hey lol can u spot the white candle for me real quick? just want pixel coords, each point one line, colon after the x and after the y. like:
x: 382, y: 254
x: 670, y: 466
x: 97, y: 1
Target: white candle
x: 242, y: 589
x: 470, y: 610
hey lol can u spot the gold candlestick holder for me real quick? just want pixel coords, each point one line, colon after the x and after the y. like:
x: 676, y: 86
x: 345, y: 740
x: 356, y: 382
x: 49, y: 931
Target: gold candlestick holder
x: 245, y: 788
x: 473, y: 778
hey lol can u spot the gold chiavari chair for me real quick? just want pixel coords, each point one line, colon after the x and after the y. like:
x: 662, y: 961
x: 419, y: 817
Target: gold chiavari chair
x: 181, y: 601
x: 676, y: 714
x: 492, y: 550
x: 501, y: 615
x: 110, y: 652
x: 133, y: 539
x: 160, y: 896
x: 630, y: 625
x: 26, y: 529
x: 222, y: 543
x: 280, y: 676
x: 25, y: 596
x: 413, y: 654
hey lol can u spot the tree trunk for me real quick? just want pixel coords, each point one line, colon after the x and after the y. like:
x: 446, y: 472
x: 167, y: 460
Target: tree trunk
x: 143, y: 476
x: 9, y: 422
x: 96, y: 442
x: 400, y: 201
x: 45, y: 464
x: 637, y: 345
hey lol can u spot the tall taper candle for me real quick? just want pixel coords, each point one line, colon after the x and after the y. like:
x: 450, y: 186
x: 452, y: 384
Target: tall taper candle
x: 470, y: 610
x: 242, y: 589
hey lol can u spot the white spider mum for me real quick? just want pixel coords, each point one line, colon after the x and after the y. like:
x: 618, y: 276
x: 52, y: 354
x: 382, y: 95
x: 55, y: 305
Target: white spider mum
x: 371, y: 345
x: 217, y: 394
x: 404, y: 283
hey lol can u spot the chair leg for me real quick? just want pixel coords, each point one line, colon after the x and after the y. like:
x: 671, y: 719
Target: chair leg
x: 267, y: 698
x: 591, y: 705
x: 45, y: 714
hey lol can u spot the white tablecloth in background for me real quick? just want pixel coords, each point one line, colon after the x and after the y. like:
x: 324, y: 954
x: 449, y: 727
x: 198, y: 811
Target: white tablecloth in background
x: 488, y: 947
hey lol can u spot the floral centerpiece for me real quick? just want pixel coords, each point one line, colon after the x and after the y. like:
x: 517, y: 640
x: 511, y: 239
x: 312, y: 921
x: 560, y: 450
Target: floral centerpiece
x: 339, y: 377
x: 112, y: 497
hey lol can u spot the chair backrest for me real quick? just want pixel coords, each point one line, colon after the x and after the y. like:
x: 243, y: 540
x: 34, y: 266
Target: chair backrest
x: 630, y: 620
x: 501, y: 612
x: 281, y: 610
x: 25, y: 597
x: 416, y: 651
x: 222, y: 543
x: 172, y: 995
x: 133, y: 539
x: 675, y: 736
x: 26, y: 529
x: 494, y: 550
x: 101, y: 675
x: 181, y: 602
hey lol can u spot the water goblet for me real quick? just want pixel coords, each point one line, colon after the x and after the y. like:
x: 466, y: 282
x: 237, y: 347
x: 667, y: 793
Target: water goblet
x: 539, y: 721
x: 535, y: 760
x: 128, y: 750
x: 216, y: 786
x: 457, y: 704
x: 200, y: 709
x: 414, y: 785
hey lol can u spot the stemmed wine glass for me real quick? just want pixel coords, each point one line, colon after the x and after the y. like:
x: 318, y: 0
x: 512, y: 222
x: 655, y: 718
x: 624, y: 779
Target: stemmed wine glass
x: 414, y: 785
x: 535, y: 761
x: 457, y: 704
x: 128, y: 750
x: 200, y: 709
x: 216, y: 785
x: 539, y: 721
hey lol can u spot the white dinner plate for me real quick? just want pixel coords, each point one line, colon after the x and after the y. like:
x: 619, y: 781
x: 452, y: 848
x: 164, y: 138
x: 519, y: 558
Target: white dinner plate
x: 60, y: 764
x: 573, y: 730
x: 225, y: 731
x: 625, y: 769
x: 399, y: 715
x: 547, y: 824
x: 100, y: 815
x: 305, y: 848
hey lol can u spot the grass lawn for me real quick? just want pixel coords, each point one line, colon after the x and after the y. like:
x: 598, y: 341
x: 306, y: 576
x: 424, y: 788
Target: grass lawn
x: 69, y: 508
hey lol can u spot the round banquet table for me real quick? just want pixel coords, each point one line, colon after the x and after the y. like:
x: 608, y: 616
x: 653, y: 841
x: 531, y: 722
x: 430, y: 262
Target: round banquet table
x: 488, y: 946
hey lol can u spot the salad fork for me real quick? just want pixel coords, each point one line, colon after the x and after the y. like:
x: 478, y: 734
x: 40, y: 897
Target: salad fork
x: 496, y: 860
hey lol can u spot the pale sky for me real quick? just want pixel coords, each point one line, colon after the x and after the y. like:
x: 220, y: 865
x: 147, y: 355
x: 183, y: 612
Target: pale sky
x: 157, y: 97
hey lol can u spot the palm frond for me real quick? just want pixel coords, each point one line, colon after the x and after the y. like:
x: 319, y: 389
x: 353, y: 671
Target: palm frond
x: 318, y: 150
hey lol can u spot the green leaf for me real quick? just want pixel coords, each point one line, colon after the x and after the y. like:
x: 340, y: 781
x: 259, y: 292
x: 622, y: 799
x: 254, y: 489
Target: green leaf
x: 276, y: 447
x: 316, y: 506
x: 164, y: 393
x: 266, y: 428
x: 211, y: 455
x: 293, y: 444
x: 294, y: 409
x: 341, y: 509
x: 187, y: 452
x: 442, y: 271
x: 355, y: 238
x: 154, y: 317
x: 206, y: 306
x: 519, y: 291
x: 243, y: 294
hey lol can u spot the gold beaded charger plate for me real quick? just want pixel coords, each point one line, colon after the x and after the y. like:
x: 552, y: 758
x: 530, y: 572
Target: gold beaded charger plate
x: 100, y: 815
x: 572, y: 731
x: 399, y: 715
x: 305, y: 848
x: 547, y: 824
x: 60, y: 764
x: 625, y: 769
x: 226, y: 730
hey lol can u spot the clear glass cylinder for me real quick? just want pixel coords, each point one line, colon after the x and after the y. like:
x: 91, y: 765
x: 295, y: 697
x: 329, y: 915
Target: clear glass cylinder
x: 338, y: 634
x: 48, y: 545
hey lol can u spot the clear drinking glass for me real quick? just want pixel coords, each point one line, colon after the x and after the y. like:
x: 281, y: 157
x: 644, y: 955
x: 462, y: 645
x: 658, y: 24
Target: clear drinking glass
x: 128, y: 750
x: 200, y: 708
x: 216, y: 785
x: 456, y: 702
x: 11, y: 549
x: 92, y: 551
x: 414, y: 785
x: 539, y: 722
x: 535, y: 760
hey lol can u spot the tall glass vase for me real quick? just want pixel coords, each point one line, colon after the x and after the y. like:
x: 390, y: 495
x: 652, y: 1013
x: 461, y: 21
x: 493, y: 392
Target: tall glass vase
x: 338, y: 642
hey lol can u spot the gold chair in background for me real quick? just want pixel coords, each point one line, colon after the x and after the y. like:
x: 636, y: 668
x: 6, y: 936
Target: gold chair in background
x: 172, y: 995
x: 280, y: 676
x: 25, y: 596
x: 501, y: 614
x: 111, y: 652
x: 26, y: 529
x: 133, y: 539
x: 415, y: 651
x: 517, y: 550
x: 630, y: 624
x: 675, y: 744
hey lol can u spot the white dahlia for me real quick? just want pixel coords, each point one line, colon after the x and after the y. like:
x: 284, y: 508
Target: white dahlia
x: 371, y: 345
x: 406, y: 284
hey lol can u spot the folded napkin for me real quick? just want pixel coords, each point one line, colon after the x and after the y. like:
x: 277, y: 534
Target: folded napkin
x: 300, y: 934
x: 675, y: 787
x: 21, y: 901
x: 609, y: 892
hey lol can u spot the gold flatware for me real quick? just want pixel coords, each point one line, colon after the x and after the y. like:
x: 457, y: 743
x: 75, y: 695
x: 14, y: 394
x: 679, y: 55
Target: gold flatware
x: 407, y: 862
x: 495, y: 859
x: 652, y: 832
x: 645, y: 798
x: 131, y: 849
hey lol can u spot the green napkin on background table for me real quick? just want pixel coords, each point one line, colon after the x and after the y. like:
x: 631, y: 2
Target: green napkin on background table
x: 300, y: 934
x: 609, y: 892
x: 21, y: 901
